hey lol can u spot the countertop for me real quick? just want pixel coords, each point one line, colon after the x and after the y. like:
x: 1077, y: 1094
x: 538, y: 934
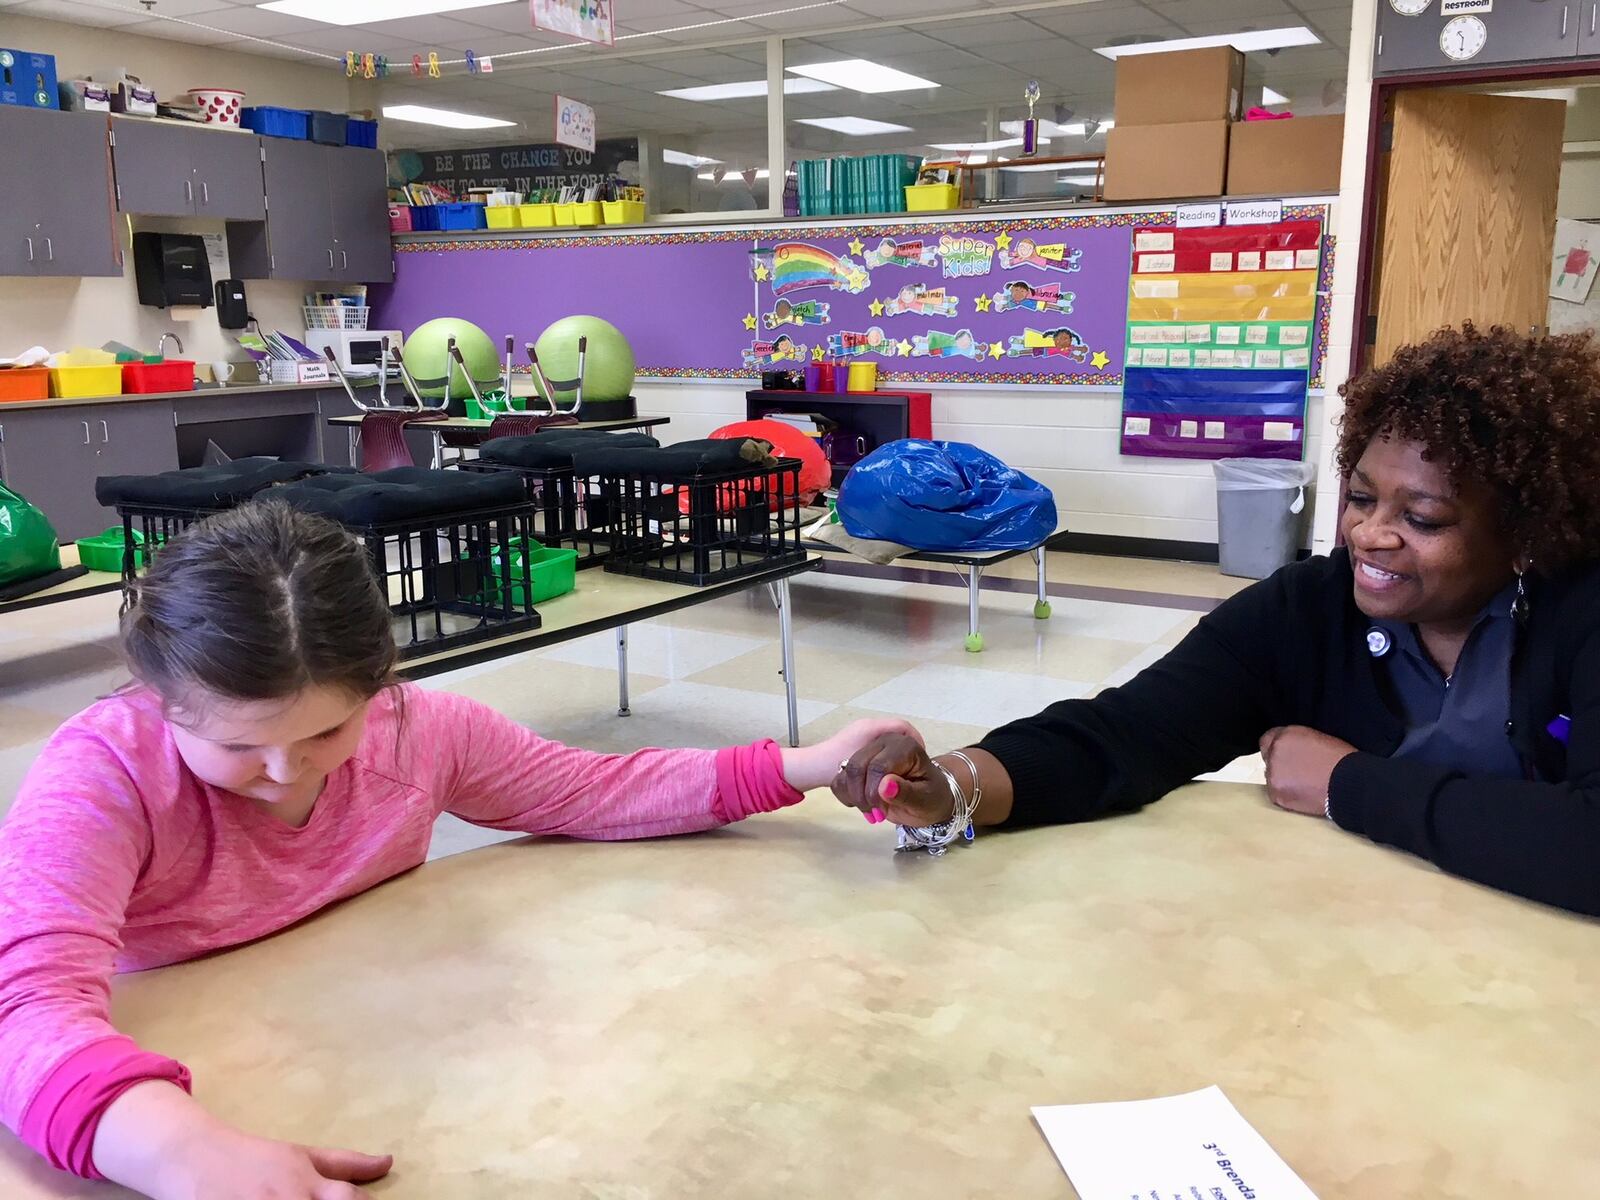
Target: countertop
x: 200, y: 393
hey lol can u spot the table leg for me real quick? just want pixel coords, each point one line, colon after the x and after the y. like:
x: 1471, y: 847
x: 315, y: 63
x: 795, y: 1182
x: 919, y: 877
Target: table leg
x: 622, y: 671
x: 438, y: 450
x: 355, y: 446
x: 974, y: 582
x: 1041, y: 606
x: 786, y: 637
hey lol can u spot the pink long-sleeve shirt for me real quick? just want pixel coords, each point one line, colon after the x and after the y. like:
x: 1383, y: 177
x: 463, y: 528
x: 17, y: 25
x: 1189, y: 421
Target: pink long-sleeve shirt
x: 116, y: 858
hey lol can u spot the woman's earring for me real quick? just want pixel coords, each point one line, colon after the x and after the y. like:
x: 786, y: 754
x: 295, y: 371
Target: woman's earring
x: 1519, y: 602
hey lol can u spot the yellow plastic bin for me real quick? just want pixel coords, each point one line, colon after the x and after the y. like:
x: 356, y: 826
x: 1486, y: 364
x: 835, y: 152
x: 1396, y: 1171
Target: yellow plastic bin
x: 623, y: 212
x: 564, y: 214
x: 72, y: 383
x: 863, y: 377
x: 504, y: 216
x: 586, y: 212
x: 932, y: 197
x: 537, y: 216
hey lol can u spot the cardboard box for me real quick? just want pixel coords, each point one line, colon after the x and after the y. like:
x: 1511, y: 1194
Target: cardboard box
x: 1180, y: 85
x: 1300, y: 156
x: 27, y: 80
x: 1166, y: 162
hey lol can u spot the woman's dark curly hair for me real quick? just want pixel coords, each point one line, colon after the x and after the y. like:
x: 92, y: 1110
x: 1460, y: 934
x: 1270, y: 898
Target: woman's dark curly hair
x: 1518, y: 414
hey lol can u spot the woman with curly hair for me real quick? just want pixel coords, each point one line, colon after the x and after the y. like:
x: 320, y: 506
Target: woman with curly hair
x: 1434, y: 685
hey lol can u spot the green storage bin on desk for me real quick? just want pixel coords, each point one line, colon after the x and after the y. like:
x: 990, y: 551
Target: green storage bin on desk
x: 103, y: 551
x: 551, y: 572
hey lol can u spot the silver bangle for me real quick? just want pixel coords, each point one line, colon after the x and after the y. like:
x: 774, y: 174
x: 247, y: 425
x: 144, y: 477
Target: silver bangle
x: 936, y: 839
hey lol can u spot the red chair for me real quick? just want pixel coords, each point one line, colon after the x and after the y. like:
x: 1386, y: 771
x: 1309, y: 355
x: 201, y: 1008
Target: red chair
x: 382, y: 435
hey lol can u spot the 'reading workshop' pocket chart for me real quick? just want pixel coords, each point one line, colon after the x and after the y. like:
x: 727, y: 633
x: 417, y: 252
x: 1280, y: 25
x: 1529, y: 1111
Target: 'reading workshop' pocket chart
x: 1190, y: 1147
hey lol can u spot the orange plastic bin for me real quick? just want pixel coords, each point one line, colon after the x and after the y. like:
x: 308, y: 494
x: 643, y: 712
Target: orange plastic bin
x: 25, y: 383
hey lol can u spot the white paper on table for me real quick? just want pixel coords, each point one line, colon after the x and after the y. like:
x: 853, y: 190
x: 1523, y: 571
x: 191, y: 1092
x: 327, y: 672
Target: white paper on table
x: 1169, y: 1148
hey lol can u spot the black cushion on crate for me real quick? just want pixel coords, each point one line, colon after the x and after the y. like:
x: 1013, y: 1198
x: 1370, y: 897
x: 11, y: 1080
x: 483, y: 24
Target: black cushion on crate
x: 536, y: 450
x: 402, y: 494
x: 682, y: 459
x: 221, y: 486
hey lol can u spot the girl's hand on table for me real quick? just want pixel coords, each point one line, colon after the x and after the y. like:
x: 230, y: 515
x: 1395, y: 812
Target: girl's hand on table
x: 894, y: 776
x: 1300, y: 763
x: 810, y: 767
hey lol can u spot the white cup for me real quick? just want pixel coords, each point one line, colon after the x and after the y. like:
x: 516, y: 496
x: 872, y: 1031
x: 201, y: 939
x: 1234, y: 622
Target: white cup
x: 222, y: 372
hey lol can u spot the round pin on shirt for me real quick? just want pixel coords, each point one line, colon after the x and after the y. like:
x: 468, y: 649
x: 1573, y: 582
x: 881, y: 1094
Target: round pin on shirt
x: 1378, y: 642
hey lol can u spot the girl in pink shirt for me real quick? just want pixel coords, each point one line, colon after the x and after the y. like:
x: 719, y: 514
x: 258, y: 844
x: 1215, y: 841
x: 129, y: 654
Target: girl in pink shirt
x: 265, y: 764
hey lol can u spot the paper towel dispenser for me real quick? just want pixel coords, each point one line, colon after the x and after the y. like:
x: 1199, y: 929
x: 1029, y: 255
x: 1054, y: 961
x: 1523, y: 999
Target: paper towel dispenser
x: 171, y: 269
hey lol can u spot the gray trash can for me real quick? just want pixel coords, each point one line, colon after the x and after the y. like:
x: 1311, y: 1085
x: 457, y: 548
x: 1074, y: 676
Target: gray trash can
x: 1260, y: 512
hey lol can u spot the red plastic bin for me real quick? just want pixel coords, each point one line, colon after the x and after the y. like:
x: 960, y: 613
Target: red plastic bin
x: 174, y: 375
x: 25, y: 383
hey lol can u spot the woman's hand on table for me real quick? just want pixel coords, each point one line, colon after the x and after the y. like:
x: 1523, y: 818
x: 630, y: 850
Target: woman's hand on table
x: 807, y: 768
x: 156, y: 1140
x: 893, y: 775
x: 1300, y: 763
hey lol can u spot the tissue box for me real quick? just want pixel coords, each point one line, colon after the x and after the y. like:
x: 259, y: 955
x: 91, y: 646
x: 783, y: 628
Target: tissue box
x: 27, y: 80
x: 84, y: 95
x: 134, y: 98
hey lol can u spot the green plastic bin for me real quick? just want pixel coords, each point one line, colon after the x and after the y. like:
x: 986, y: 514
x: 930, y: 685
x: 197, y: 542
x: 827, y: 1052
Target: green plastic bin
x: 552, y: 573
x: 103, y: 551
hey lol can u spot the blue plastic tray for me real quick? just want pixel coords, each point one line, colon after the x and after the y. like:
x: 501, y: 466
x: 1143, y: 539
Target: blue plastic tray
x: 277, y: 122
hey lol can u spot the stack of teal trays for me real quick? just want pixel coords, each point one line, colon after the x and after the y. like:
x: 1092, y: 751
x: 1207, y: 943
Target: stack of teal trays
x: 873, y: 183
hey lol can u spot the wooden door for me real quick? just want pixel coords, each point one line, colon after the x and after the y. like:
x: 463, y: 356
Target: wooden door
x: 1469, y: 216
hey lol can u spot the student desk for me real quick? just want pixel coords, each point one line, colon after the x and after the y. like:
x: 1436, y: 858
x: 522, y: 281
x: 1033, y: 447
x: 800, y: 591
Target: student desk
x: 787, y: 1009
x: 92, y: 584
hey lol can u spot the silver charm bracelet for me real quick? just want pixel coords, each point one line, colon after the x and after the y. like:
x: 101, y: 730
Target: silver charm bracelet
x: 936, y: 839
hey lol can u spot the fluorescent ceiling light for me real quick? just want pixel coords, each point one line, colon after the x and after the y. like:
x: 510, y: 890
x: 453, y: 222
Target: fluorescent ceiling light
x: 1079, y: 180
x: 969, y: 147
x: 859, y: 75
x: 421, y: 114
x: 679, y: 159
x: 369, y: 12
x: 1025, y: 165
x: 1254, y: 39
x: 762, y: 173
x: 1270, y: 98
x: 1570, y: 95
x: 746, y: 90
x: 854, y: 126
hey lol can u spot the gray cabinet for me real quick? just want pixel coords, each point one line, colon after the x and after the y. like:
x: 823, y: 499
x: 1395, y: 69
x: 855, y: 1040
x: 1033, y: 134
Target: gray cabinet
x: 52, y: 456
x: 1517, y: 31
x: 170, y: 170
x: 327, y: 216
x: 55, y: 194
x: 1589, y: 29
x: 359, y: 197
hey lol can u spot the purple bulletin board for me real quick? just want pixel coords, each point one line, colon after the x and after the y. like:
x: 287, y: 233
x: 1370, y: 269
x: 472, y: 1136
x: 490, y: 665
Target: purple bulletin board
x: 1025, y: 300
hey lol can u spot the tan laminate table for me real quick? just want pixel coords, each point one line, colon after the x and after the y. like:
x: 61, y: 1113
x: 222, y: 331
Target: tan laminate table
x: 786, y: 1009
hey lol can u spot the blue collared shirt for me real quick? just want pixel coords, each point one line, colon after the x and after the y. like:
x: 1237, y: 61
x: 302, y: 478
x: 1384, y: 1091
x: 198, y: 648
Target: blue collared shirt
x: 1462, y: 722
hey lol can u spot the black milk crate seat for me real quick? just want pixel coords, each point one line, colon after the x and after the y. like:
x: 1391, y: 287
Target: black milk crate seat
x: 439, y: 542
x: 159, y: 507
x: 570, y: 509
x: 699, y: 512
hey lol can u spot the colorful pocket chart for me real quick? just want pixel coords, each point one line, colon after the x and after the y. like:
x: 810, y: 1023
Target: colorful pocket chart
x: 1221, y: 329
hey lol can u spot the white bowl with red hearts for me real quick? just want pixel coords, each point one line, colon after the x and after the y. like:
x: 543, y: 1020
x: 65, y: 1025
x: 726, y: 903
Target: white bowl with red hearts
x: 218, y: 106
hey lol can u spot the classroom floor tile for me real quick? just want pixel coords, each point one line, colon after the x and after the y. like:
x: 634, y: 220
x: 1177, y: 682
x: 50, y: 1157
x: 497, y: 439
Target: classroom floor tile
x: 869, y: 642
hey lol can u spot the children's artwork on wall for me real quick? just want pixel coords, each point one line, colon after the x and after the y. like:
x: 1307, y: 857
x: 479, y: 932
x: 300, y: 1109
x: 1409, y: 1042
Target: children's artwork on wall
x: 1041, y: 256
x: 695, y: 298
x: 781, y: 349
x: 938, y: 344
x: 889, y: 253
x: 918, y: 299
x: 1577, y: 259
x: 797, y: 312
x: 1223, y: 324
x: 1019, y: 295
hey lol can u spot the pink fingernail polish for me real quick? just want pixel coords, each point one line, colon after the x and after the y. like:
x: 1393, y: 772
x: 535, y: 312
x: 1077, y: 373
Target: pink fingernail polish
x: 868, y: 818
x: 891, y: 788
x: 878, y: 815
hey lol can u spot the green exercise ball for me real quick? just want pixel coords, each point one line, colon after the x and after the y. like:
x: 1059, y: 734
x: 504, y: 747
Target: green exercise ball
x: 425, y: 354
x: 608, y: 367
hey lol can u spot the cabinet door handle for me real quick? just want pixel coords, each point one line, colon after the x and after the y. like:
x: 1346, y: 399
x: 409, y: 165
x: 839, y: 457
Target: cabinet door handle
x: 85, y: 433
x: 1594, y: 11
x: 49, y: 250
x: 344, y: 260
x: 1563, y: 20
x: 205, y: 193
x: 188, y: 191
x: 330, y: 258
x: 105, y: 433
x: 30, y: 248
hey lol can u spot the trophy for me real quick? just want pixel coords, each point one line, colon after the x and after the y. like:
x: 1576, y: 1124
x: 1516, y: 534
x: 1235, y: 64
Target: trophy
x: 1030, y: 127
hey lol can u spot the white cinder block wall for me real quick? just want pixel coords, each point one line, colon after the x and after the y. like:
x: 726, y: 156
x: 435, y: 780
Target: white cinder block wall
x: 1067, y: 438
